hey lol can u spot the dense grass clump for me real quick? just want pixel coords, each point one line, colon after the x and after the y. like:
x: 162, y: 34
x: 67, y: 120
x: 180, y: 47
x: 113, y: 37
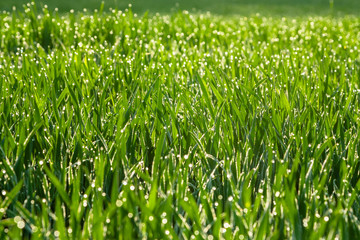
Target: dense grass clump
x: 178, y: 126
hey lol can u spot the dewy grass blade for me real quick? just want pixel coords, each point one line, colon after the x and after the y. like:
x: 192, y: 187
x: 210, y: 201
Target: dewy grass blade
x: 156, y: 173
x: 206, y: 95
x: 58, y: 187
x: 7, y: 165
x: 10, y: 197
x: 32, y: 133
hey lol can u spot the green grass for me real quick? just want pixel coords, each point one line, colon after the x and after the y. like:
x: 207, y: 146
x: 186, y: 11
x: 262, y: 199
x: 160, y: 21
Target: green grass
x: 180, y: 126
x: 223, y: 7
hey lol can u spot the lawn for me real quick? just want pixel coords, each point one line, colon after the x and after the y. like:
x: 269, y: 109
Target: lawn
x: 222, y: 7
x: 178, y: 125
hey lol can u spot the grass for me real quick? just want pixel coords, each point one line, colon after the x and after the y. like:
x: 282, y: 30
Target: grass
x: 180, y: 126
x: 223, y: 7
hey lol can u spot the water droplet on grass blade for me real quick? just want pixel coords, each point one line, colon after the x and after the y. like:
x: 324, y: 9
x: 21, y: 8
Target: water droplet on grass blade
x: 21, y: 224
x: 119, y: 203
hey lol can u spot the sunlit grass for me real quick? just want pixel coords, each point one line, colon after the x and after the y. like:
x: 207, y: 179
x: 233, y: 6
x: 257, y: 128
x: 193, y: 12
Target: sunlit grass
x: 178, y: 126
x: 224, y: 7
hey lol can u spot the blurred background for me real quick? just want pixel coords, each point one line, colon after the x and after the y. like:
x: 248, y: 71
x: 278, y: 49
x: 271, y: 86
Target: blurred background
x: 223, y: 7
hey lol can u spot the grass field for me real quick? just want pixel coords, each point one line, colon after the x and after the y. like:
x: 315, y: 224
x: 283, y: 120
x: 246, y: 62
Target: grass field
x: 179, y: 126
x: 223, y: 7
